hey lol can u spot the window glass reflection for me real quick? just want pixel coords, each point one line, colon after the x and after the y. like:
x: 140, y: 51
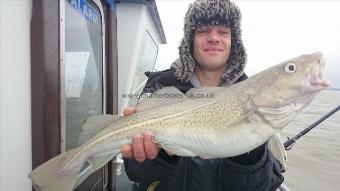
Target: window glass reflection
x: 83, y: 66
x: 145, y: 62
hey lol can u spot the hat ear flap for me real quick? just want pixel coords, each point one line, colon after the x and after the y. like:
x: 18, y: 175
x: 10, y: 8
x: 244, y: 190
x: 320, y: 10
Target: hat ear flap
x: 238, y: 56
x: 184, y: 71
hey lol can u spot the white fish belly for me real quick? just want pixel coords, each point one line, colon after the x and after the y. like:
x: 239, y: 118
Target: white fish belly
x: 226, y: 142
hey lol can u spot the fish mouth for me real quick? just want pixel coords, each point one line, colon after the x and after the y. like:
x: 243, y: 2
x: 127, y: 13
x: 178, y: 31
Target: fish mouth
x: 317, y: 82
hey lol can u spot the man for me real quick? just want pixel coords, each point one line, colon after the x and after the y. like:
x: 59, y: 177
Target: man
x: 211, y: 54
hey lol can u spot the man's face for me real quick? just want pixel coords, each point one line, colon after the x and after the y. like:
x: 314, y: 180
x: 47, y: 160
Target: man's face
x: 212, y: 47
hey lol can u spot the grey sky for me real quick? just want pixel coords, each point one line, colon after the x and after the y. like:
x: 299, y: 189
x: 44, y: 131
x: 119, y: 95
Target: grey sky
x: 273, y: 31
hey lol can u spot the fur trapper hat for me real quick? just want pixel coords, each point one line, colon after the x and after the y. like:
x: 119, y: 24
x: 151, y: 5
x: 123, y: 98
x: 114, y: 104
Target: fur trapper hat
x: 210, y: 13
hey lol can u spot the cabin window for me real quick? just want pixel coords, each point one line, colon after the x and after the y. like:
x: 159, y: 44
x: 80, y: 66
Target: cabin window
x: 82, y: 72
x: 146, y: 60
x: 83, y: 67
x: 72, y: 78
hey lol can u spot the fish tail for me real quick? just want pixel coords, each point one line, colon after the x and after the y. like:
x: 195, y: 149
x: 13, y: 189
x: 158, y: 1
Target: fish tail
x: 53, y: 175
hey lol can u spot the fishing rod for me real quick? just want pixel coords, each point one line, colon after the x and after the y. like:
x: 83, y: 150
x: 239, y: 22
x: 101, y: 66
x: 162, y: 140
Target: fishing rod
x: 288, y: 144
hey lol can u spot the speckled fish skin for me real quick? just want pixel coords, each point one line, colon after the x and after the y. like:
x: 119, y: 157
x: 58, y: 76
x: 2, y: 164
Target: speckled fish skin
x: 237, y: 120
x: 200, y: 126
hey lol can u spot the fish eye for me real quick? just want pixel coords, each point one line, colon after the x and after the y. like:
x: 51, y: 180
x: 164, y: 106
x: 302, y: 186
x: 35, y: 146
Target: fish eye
x: 290, y: 68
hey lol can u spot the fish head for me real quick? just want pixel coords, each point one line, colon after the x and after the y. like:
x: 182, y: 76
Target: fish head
x: 290, y: 84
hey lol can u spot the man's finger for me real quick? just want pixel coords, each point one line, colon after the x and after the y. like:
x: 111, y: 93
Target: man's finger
x: 138, y: 148
x: 151, y: 149
x: 129, y: 111
x: 127, y: 151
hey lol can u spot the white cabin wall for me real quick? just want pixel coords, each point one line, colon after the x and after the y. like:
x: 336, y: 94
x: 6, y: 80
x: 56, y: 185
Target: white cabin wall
x: 15, y: 95
x: 132, y: 21
x: 128, y: 25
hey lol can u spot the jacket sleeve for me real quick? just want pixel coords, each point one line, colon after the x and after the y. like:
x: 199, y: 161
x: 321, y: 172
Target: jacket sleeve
x: 263, y: 174
x: 150, y: 170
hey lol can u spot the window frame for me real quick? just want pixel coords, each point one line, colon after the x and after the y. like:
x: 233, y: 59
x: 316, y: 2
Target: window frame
x: 46, y: 81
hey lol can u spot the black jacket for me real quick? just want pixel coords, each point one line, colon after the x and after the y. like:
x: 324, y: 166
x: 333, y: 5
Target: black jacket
x: 257, y: 170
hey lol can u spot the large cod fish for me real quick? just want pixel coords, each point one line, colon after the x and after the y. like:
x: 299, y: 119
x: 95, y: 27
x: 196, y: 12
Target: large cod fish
x: 233, y: 121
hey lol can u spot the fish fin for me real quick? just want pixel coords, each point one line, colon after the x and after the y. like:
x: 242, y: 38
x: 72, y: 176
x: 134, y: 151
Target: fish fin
x: 94, y: 124
x: 49, y: 177
x: 178, y: 150
x: 276, y: 147
x: 99, y: 160
x: 171, y: 146
x: 207, y: 92
x: 278, y: 117
x: 205, y: 157
x: 164, y: 96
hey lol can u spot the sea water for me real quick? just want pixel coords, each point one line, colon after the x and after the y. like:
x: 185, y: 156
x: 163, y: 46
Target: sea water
x: 314, y: 160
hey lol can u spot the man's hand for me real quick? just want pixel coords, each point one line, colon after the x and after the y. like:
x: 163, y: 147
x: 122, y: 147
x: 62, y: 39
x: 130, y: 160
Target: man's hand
x: 142, y: 146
